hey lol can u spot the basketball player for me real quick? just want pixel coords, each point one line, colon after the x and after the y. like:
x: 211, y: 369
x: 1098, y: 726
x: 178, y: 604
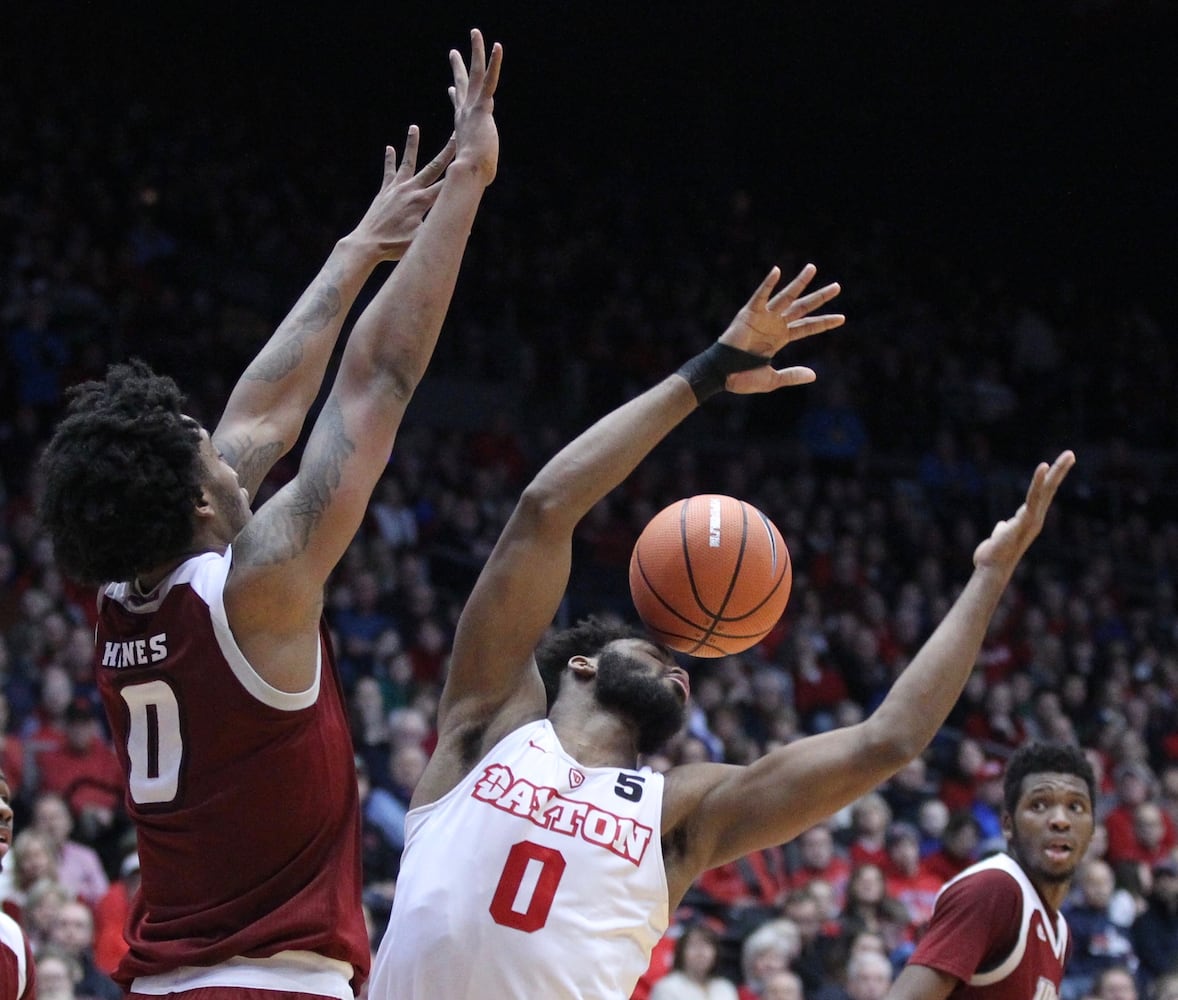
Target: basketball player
x: 996, y: 931
x: 212, y: 659
x: 540, y: 859
x: 18, y: 974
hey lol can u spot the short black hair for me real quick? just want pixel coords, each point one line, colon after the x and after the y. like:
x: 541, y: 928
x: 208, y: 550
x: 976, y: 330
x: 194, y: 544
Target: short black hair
x: 122, y: 476
x: 1044, y: 758
x: 587, y: 638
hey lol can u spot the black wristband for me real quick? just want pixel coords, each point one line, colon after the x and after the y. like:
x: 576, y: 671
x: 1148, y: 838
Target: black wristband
x: 708, y: 370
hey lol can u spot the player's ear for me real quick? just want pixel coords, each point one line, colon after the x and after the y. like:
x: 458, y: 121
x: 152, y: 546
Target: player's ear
x: 204, y: 506
x: 582, y: 667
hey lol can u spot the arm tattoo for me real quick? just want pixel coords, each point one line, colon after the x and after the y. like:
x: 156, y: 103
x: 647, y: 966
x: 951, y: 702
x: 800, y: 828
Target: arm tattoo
x: 252, y: 462
x: 318, y: 480
x: 315, y: 312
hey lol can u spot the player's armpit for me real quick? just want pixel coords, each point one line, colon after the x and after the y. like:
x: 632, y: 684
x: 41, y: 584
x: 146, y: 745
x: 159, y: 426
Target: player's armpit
x: 919, y: 982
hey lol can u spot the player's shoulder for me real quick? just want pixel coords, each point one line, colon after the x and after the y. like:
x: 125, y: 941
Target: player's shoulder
x: 991, y: 879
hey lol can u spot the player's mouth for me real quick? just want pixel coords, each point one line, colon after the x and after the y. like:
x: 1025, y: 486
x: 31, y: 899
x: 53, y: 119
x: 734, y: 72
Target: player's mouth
x: 1059, y: 851
x: 679, y: 675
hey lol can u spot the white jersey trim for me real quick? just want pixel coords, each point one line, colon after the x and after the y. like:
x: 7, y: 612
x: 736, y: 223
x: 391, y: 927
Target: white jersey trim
x: 289, y: 971
x: 206, y: 575
x: 12, y: 938
x: 1057, y: 929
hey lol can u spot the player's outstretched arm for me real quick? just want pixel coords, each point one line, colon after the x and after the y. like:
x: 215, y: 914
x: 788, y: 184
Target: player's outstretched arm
x: 730, y: 811
x: 284, y: 555
x: 266, y: 410
x: 492, y: 675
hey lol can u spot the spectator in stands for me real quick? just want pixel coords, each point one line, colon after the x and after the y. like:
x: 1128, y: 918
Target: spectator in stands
x: 931, y: 821
x: 29, y: 860
x: 819, y: 859
x: 907, y: 791
x: 1115, y: 983
x: 79, y: 868
x: 750, y: 886
x: 72, y: 932
x: 959, y: 783
x: 868, y: 976
x: 987, y: 805
x: 85, y: 772
x: 782, y: 985
x: 44, y: 729
x: 906, y: 878
x: 870, y: 817
x: 1155, y: 932
x: 43, y: 901
x: 1135, y: 784
x: 770, y: 948
x: 802, y: 907
x: 862, y: 908
x: 1099, y: 941
x: 959, y: 846
x: 57, y: 975
x: 693, y: 972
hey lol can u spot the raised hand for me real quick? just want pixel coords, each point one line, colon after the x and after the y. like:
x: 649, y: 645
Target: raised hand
x: 1012, y: 537
x: 395, y: 215
x: 769, y: 321
x: 473, y: 98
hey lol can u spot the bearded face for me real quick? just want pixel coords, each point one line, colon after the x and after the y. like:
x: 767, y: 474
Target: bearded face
x: 651, y: 701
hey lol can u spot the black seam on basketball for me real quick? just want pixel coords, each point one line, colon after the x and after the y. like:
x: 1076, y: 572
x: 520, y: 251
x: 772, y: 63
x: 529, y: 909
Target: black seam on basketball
x: 686, y: 552
x: 650, y: 589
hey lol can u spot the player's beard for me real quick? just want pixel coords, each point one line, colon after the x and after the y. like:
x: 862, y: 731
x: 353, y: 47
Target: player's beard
x: 231, y: 504
x: 1023, y: 851
x: 628, y: 688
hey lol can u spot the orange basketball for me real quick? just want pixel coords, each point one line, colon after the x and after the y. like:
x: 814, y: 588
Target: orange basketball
x: 710, y: 575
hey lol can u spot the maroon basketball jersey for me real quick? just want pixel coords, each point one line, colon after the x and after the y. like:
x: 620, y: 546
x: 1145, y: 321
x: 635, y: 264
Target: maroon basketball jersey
x: 992, y: 931
x: 244, y: 797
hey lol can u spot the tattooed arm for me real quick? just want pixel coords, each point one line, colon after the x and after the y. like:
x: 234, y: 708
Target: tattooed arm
x: 284, y: 554
x: 268, y: 405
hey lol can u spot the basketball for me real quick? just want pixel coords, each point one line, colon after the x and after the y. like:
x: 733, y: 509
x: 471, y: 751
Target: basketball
x: 710, y: 575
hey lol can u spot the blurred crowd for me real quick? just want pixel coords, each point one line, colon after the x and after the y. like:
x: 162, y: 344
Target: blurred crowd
x: 168, y: 239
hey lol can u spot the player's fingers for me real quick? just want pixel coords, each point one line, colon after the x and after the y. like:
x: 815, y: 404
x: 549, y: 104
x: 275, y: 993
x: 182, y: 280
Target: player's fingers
x: 478, y: 56
x: 409, y: 160
x: 760, y: 297
x: 1046, y: 481
x: 808, y: 303
x: 461, y: 80
x: 795, y: 288
x: 437, y: 166
x: 800, y: 329
x: 491, y: 81
x: 797, y: 375
x: 390, y: 164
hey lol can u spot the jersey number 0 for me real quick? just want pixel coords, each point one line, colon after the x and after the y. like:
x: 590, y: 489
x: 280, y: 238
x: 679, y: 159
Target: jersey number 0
x: 154, y: 743
x: 527, y: 886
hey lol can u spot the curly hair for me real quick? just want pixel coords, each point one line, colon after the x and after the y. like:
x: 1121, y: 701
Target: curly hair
x: 1040, y: 758
x: 122, y: 475
x: 587, y: 638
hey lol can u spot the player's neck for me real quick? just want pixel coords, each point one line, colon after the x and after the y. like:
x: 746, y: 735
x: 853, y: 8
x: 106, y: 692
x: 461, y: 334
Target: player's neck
x: 1053, y: 894
x: 594, y: 737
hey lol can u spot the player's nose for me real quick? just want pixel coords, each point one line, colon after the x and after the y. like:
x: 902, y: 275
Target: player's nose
x: 1059, y: 818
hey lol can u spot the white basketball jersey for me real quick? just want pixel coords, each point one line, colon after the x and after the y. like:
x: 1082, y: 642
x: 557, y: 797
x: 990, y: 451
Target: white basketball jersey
x: 533, y: 877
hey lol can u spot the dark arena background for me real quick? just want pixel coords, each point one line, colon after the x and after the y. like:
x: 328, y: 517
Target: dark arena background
x: 994, y: 185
